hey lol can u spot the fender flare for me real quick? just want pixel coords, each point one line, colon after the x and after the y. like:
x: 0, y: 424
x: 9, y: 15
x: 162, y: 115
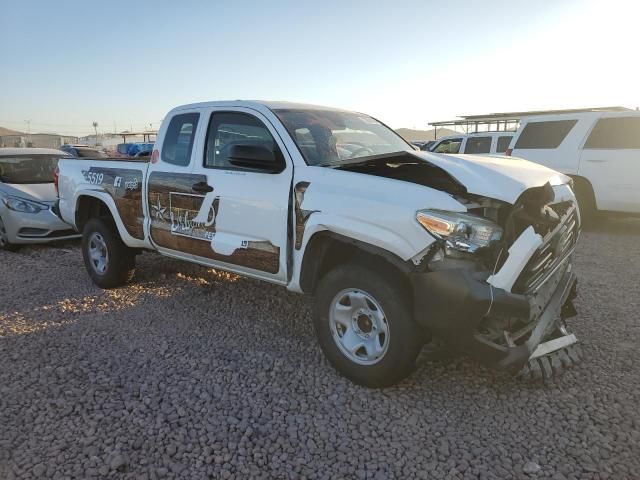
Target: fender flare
x: 105, y: 198
x: 370, y: 238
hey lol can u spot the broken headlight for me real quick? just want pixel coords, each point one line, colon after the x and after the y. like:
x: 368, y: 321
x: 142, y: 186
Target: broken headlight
x: 463, y: 232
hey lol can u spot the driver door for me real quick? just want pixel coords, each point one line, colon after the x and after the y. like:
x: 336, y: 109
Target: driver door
x: 243, y: 217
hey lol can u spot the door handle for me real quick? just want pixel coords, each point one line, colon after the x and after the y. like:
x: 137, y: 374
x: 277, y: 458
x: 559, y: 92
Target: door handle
x: 597, y: 161
x: 202, y: 187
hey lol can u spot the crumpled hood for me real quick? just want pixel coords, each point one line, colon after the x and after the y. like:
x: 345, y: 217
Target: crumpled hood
x: 501, y: 178
x: 40, y: 192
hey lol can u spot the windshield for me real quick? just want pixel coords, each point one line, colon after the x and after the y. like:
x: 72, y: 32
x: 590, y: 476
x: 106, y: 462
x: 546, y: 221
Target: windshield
x: 326, y: 137
x: 28, y: 168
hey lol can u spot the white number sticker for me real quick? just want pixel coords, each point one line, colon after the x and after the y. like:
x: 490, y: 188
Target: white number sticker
x: 95, y: 178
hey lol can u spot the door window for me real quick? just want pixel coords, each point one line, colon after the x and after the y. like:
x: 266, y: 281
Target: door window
x: 178, y: 141
x: 503, y: 144
x: 227, y: 129
x: 615, y: 133
x: 451, y: 145
x: 478, y: 145
x: 544, y: 135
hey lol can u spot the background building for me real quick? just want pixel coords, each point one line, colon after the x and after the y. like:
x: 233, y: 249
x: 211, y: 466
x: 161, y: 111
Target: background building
x: 38, y: 140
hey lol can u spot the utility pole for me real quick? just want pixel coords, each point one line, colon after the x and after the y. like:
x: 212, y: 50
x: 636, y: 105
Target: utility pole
x: 28, y: 122
x: 95, y: 129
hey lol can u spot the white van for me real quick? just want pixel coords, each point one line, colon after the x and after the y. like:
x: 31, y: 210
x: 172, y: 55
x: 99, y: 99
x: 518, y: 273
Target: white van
x: 474, y: 143
x: 600, y: 150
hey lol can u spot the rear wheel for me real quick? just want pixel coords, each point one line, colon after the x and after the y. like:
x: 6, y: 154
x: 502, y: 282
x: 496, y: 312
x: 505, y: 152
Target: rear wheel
x: 586, y: 201
x: 364, y: 325
x: 109, y: 262
x: 4, y: 239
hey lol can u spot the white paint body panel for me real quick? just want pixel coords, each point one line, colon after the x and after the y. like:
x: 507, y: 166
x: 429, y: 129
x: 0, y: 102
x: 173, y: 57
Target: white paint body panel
x: 519, y: 255
x: 374, y: 210
x: 613, y: 173
x: 502, y: 178
x: 72, y: 186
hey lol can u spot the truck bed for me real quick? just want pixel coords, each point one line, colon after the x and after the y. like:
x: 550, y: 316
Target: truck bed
x: 116, y: 181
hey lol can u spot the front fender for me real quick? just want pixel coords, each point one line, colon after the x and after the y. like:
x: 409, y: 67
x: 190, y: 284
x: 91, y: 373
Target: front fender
x: 404, y: 245
x: 401, y: 246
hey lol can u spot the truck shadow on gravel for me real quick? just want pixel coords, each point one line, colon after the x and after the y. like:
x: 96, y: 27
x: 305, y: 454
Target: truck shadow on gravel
x: 614, y: 226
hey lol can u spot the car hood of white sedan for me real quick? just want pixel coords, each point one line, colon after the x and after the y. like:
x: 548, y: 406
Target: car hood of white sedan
x: 40, y: 192
x: 501, y: 178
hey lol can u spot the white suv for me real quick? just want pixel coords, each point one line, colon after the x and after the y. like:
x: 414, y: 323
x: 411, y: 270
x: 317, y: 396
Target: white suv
x: 474, y: 143
x: 599, y: 149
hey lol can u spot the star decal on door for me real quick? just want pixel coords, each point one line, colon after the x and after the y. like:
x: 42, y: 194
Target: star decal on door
x: 159, y: 210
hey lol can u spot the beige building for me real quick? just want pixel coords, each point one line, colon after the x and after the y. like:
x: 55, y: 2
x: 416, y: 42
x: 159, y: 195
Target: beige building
x: 38, y: 140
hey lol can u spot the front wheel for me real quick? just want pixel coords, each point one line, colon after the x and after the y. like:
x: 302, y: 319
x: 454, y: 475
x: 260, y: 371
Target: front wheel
x: 109, y: 262
x: 4, y: 239
x: 364, y: 325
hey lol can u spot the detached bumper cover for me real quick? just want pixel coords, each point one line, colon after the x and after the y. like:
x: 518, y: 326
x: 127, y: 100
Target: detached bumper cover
x: 456, y: 303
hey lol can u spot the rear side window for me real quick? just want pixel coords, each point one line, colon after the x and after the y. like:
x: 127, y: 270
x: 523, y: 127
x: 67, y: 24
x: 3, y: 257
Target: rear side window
x: 544, y: 134
x: 503, y: 144
x: 478, y: 145
x: 227, y: 129
x: 178, y: 141
x: 619, y: 133
x: 448, y: 146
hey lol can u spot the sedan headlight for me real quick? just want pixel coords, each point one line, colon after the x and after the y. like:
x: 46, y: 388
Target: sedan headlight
x: 463, y: 232
x: 23, y: 205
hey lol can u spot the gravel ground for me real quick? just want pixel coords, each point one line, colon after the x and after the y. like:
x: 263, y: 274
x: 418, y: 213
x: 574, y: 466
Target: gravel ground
x: 194, y: 373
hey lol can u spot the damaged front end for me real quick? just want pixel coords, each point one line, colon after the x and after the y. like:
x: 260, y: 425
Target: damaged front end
x: 502, y: 288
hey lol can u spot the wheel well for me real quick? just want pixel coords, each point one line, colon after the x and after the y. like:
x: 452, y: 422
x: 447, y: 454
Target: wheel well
x: 325, y: 250
x: 88, y: 208
x: 584, y: 189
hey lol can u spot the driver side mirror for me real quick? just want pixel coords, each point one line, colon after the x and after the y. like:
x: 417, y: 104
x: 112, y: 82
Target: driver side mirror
x: 256, y: 157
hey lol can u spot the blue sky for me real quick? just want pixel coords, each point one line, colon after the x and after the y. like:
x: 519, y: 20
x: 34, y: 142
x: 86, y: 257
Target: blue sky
x: 126, y: 63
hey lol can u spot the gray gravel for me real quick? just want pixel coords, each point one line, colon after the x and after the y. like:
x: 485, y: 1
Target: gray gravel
x: 193, y: 373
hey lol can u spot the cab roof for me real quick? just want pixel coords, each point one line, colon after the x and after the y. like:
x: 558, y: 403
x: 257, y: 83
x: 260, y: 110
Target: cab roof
x: 257, y: 104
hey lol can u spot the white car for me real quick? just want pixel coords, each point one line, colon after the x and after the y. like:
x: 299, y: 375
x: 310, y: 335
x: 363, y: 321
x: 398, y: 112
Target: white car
x: 28, y: 198
x: 600, y: 150
x: 481, y: 143
x: 396, y: 245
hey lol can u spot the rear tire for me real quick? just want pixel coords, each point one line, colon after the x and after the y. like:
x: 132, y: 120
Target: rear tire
x: 4, y: 239
x: 586, y: 201
x: 364, y: 325
x: 109, y: 262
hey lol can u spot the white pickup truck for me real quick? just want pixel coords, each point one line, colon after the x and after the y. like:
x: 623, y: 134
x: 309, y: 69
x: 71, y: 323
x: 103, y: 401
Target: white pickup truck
x: 397, y: 246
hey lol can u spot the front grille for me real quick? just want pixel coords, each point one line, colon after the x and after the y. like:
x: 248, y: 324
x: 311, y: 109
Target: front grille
x: 557, y: 245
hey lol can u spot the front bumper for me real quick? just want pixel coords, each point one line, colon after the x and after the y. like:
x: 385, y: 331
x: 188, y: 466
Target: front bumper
x: 458, y: 305
x: 42, y: 227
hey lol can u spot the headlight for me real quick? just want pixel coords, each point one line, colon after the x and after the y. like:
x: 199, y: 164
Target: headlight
x: 23, y: 205
x: 461, y: 231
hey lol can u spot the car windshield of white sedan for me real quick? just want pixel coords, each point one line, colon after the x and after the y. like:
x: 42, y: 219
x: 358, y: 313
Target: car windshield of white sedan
x: 28, y: 169
x: 327, y: 137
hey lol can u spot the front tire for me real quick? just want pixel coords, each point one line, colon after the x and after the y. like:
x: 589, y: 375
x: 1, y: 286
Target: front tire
x: 109, y: 262
x: 364, y: 325
x: 4, y: 239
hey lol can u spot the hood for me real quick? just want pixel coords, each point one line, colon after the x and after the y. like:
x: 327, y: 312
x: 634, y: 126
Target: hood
x: 40, y: 192
x: 501, y: 178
